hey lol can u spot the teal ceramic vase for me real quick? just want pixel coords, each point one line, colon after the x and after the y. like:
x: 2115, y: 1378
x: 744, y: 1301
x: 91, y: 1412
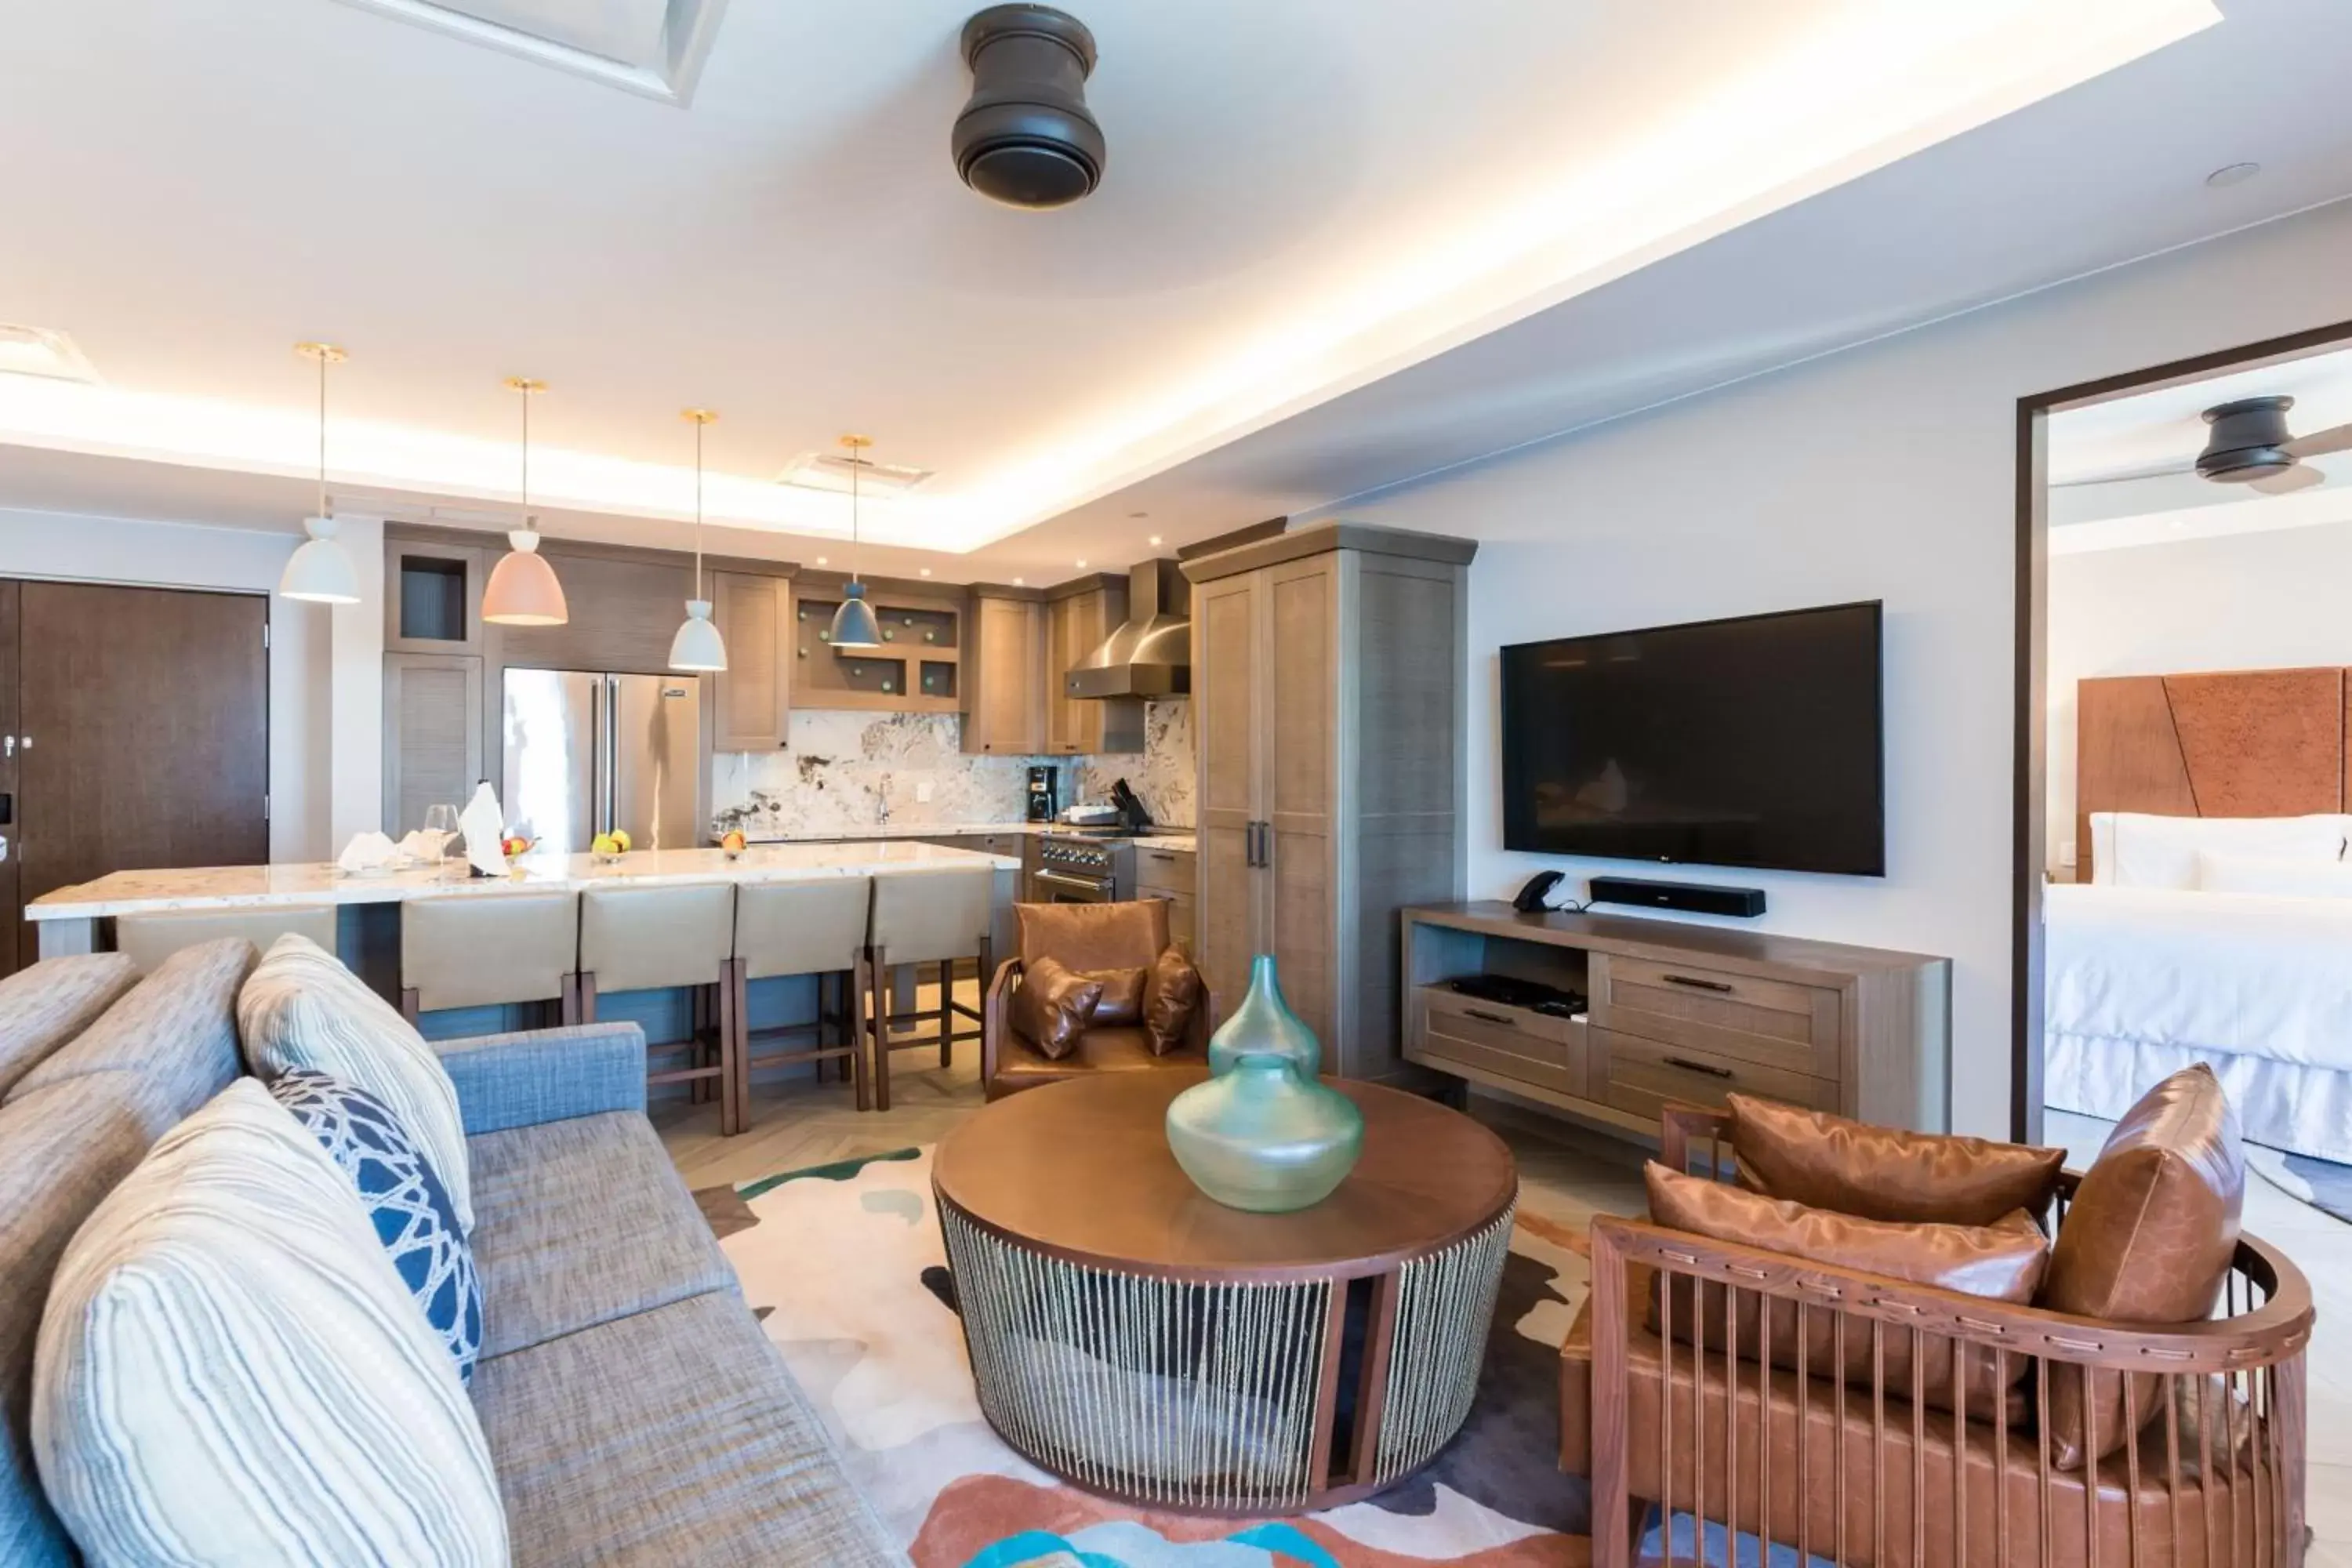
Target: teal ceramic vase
x: 1263, y: 1136
x: 1264, y: 1025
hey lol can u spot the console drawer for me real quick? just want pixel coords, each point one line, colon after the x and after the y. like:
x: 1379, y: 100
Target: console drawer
x: 1641, y: 1076
x: 1535, y: 1048
x: 1769, y: 1023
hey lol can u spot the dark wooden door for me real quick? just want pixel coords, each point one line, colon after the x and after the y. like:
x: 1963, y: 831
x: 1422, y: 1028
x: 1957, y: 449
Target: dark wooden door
x: 142, y: 725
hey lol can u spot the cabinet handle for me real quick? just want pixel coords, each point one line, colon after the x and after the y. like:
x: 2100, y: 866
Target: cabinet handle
x: 1162, y: 854
x: 1688, y: 1066
x: 1491, y: 1017
x: 1697, y: 985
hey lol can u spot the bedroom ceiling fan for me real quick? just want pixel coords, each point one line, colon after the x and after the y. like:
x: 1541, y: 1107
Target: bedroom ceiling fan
x: 2249, y: 444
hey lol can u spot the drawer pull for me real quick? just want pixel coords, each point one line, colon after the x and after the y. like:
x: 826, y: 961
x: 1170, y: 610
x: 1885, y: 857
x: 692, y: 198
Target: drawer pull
x: 1690, y: 1066
x: 1491, y: 1017
x: 1162, y: 853
x: 1693, y: 982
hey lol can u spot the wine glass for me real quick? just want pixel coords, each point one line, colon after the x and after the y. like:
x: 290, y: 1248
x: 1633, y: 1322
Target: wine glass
x: 441, y: 821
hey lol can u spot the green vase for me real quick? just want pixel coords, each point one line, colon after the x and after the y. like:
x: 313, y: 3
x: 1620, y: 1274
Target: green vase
x: 1264, y: 1025
x: 1264, y: 1137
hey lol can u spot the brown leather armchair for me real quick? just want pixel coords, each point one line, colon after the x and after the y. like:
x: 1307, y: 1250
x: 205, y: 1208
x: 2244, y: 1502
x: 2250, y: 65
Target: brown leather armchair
x: 1085, y: 938
x: 2210, y: 1475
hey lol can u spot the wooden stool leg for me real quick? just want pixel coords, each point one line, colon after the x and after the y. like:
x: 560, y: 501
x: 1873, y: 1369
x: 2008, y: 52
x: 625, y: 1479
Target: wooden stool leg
x: 731, y: 1056
x: 885, y: 980
x: 586, y: 985
x: 946, y: 1011
x: 408, y: 1002
x: 853, y: 1025
x: 567, y: 1008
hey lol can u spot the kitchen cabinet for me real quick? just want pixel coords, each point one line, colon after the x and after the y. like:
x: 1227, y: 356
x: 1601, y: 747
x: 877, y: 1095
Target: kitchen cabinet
x: 750, y: 700
x: 1005, y: 691
x: 1079, y: 615
x: 1329, y: 668
x: 1169, y: 874
x: 433, y: 728
x: 919, y: 668
x: 433, y: 595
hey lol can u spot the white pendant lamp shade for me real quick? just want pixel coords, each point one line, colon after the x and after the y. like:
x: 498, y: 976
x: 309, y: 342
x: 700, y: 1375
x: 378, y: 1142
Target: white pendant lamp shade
x: 855, y: 628
x: 320, y: 572
x: 522, y: 590
x: 698, y: 646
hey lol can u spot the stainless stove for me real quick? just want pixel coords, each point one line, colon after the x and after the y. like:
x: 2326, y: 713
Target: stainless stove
x: 1080, y: 867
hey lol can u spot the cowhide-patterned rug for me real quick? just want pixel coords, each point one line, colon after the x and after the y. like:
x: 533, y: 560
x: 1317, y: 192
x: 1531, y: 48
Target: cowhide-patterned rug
x: 833, y: 1260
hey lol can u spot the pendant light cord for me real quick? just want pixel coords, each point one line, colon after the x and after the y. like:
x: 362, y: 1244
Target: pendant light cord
x: 526, y: 459
x: 698, y: 509
x: 855, y: 462
x: 322, y: 436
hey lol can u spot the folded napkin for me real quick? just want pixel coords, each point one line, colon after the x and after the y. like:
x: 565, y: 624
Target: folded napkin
x: 484, y: 826
x: 418, y: 843
x: 368, y: 852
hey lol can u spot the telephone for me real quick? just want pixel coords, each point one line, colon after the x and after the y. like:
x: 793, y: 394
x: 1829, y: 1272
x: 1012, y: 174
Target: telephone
x: 1531, y: 899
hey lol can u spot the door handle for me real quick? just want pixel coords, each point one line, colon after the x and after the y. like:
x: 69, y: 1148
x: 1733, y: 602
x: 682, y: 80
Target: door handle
x: 1491, y: 1017
x: 1694, y: 983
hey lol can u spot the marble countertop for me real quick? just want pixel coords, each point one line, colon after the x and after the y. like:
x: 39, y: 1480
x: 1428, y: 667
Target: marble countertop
x: 233, y: 886
x: 1177, y: 839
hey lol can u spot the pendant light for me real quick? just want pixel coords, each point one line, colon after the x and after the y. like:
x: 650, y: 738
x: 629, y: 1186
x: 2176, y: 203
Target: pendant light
x: 854, y: 628
x: 698, y: 645
x: 522, y: 590
x: 320, y: 570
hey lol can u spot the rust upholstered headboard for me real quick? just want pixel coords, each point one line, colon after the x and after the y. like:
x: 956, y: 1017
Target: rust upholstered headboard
x: 2235, y: 742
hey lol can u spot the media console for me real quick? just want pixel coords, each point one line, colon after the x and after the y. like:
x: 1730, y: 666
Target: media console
x: 1679, y: 1013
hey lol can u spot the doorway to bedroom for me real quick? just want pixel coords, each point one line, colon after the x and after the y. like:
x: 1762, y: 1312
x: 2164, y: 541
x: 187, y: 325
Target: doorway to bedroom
x: 2194, y: 682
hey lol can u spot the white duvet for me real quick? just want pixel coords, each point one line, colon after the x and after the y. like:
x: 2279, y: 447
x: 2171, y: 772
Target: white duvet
x: 2239, y: 974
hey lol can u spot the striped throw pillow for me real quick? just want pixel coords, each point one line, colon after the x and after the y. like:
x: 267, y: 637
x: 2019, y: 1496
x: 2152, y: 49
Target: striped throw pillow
x: 405, y: 1202
x: 229, y: 1370
x: 302, y: 1008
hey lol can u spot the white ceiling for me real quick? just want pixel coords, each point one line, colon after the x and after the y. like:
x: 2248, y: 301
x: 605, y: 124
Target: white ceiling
x: 1304, y: 198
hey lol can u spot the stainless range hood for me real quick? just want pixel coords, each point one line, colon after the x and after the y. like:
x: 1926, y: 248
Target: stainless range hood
x: 1151, y: 655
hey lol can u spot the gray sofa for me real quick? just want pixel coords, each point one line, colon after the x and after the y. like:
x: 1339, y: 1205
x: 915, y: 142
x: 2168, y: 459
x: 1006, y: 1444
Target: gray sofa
x: 636, y: 1412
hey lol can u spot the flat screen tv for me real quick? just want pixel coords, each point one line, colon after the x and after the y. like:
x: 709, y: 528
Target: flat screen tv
x: 1753, y: 742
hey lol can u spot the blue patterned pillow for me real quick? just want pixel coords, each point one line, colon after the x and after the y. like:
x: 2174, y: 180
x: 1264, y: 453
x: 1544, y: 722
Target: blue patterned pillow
x: 411, y: 1209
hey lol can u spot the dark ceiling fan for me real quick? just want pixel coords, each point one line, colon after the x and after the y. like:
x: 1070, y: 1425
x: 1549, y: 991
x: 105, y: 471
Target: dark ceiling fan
x: 2251, y: 445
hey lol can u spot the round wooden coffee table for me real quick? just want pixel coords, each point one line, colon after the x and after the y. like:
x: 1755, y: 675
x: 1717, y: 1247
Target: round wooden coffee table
x: 1141, y: 1340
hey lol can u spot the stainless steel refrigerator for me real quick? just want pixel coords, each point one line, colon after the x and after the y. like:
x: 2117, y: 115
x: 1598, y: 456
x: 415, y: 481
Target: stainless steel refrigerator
x: 587, y: 752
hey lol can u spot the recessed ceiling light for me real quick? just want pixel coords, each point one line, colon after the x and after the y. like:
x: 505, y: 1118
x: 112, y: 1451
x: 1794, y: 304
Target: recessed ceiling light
x: 36, y: 351
x: 820, y: 560
x: 1153, y: 540
x: 927, y: 570
x: 1019, y: 583
x: 1082, y: 565
x: 2230, y: 174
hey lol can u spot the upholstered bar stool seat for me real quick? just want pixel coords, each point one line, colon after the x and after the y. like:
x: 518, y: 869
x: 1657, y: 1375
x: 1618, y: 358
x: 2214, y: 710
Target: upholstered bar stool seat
x: 649, y: 939
x: 926, y: 916
x: 804, y: 928
x: 485, y: 949
x: 149, y: 939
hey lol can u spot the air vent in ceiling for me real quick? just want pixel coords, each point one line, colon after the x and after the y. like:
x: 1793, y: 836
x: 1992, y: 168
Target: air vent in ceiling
x: 37, y: 351
x: 830, y: 471
x: 653, y: 47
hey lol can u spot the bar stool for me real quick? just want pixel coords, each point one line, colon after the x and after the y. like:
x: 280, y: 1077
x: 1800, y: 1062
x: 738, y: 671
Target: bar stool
x: 926, y: 916
x: 648, y: 939
x: 483, y: 950
x: 804, y: 928
x: 149, y: 939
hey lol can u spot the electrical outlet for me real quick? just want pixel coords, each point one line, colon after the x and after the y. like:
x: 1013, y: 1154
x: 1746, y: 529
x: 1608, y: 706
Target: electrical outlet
x: 923, y: 791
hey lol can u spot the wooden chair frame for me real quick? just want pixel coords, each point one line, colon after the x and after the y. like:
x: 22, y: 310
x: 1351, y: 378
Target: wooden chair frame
x: 567, y: 1002
x: 710, y: 1046
x: 846, y: 1021
x: 882, y: 980
x: 996, y: 1018
x: 2254, y: 1349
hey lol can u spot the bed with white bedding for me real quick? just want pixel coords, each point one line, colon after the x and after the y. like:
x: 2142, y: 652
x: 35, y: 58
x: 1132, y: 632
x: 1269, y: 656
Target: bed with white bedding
x: 2211, y: 941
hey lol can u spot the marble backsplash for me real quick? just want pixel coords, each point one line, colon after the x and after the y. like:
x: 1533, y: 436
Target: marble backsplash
x: 840, y: 769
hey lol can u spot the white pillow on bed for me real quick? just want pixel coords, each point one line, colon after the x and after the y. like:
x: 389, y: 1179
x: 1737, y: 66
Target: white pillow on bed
x: 2136, y: 849
x: 2263, y: 874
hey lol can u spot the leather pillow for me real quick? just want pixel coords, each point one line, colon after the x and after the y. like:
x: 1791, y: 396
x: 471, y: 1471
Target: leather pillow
x: 2000, y: 1262
x: 1122, y: 995
x: 1882, y: 1172
x: 1054, y: 1007
x: 1172, y: 991
x: 2148, y: 1240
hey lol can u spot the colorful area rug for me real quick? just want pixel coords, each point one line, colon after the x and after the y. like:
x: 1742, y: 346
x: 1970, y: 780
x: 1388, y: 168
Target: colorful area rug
x: 832, y: 1259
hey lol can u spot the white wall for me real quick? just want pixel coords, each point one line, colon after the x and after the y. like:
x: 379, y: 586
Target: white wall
x: 302, y: 648
x: 1885, y: 472
x: 2273, y: 600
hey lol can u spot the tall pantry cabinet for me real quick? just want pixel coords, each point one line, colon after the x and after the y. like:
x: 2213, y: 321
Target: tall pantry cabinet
x: 1331, y: 670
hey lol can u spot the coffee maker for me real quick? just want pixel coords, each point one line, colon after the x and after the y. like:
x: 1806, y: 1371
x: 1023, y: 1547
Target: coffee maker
x: 1045, y: 795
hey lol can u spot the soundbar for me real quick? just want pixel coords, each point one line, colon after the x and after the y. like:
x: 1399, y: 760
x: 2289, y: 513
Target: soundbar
x: 1691, y: 898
